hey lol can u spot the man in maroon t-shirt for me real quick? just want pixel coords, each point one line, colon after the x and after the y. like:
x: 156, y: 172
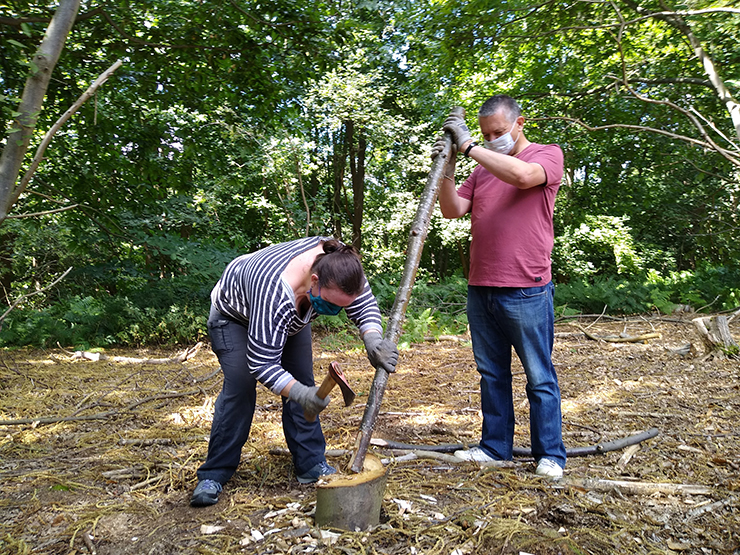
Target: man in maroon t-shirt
x: 510, y: 196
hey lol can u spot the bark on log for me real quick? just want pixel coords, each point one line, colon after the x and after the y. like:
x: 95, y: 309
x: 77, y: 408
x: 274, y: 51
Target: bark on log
x: 351, y: 502
x: 715, y: 333
x: 417, y: 236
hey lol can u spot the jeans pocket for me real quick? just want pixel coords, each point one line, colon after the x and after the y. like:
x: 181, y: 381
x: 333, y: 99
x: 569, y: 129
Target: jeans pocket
x: 220, y: 337
x: 533, y: 292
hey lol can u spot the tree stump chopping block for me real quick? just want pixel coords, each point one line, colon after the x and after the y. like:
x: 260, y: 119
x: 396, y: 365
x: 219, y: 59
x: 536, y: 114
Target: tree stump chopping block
x: 352, y: 502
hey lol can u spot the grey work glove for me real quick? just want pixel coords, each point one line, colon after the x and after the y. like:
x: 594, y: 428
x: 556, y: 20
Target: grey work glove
x: 306, y: 396
x: 439, y: 146
x: 455, y: 124
x: 382, y: 353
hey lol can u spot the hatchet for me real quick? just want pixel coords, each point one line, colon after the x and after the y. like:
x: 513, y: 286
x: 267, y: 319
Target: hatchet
x: 333, y: 378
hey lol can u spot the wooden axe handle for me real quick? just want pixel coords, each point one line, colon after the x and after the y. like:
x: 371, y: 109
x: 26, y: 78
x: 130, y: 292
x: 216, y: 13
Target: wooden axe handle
x: 326, y: 386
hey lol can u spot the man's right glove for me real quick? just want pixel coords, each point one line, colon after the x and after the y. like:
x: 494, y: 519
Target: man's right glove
x: 455, y: 124
x: 306, y: 396
x: 381, y: 352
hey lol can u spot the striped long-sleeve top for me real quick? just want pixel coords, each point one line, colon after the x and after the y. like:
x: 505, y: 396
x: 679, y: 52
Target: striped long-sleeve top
x: 253, y: 292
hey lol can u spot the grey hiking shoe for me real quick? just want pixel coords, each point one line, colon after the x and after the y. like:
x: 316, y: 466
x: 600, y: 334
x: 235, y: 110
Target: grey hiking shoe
x: 319, y: 470
x: 205, y: 493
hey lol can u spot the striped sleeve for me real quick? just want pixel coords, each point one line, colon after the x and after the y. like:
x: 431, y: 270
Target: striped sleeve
x: 364, y: 312
x: 253, y: 292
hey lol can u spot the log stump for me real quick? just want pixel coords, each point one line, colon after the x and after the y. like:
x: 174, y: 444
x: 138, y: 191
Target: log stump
x: 351, y: 502
x: 715, y: 333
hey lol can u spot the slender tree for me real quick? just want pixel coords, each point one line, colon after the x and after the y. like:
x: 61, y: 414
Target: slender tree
x: 21, y: 131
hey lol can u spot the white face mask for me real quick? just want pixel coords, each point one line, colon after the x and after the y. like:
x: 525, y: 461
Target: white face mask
x: 503, y: 144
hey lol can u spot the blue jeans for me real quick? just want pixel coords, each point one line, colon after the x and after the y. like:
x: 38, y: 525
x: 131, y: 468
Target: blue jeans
x: 501, y: 318
x: 234, y: 408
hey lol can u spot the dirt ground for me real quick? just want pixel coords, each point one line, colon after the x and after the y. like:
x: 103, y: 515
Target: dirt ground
x: 114, y: 478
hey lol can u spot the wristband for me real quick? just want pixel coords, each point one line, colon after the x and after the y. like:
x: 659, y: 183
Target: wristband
x: 467, y: 150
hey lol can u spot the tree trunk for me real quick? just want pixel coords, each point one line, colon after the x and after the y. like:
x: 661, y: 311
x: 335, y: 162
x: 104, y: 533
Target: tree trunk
x: 338, y: 163
x: 22, y: 130
x: 357, y: 167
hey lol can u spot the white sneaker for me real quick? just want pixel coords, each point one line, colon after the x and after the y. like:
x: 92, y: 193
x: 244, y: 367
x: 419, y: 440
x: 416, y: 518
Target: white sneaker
x: 549, y: 469
x: 474, y: 454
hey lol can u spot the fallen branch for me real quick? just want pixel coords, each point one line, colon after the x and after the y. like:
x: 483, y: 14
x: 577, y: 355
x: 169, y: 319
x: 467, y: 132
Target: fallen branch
x: 437, y: 456
x: 151, y: 480
x: 122, y: 473
x: 619, y: 338
x: 703, y: 509
x: 187, y: 354
x: 636, y: 488
x: 283, y: 452
x: 597, y: 449
x: 457, y: 338
x: 146, y: 442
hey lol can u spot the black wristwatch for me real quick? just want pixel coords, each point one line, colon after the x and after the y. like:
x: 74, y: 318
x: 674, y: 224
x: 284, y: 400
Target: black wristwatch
x: 467, y: 150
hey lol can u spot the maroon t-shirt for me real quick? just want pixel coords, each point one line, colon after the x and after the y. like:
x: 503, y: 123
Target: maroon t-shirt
x: 512, y: 228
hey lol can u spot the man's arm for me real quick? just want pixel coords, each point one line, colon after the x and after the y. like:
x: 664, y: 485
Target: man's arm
x: 511, y: 170
x: 451, y: 204
x: 520, y: 174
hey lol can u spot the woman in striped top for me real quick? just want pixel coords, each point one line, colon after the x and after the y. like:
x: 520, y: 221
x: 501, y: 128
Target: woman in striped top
x: 260, y: 329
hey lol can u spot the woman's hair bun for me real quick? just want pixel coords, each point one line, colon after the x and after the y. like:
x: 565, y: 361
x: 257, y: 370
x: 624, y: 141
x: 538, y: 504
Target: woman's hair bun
x: 332, y: 245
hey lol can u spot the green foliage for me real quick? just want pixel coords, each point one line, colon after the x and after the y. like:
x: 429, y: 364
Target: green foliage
x: 436, y: 309
x: 225, y: 131
x: 709, y: 288
x: 600, y: 245
x: 174, y: 312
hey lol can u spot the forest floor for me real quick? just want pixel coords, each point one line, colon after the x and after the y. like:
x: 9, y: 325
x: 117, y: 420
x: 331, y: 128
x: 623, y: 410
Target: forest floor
x: 115, y: 477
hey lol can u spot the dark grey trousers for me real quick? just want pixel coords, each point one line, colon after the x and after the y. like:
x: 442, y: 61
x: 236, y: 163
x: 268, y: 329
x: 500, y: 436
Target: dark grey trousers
x: 235, y: 405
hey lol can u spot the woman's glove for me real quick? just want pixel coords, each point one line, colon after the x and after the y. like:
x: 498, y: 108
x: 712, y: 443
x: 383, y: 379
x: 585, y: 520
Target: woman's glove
x: 382, y: 353
x: 306, y: 396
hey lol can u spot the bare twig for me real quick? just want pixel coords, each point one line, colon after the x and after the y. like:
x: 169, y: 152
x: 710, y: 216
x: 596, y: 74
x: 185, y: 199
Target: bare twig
x: 44, y: 213
x: 54, y: 128
x: 187, y: 354
x: 22, y: 297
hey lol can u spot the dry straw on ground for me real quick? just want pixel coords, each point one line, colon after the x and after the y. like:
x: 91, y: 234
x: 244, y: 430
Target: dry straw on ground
x: 100, y: 457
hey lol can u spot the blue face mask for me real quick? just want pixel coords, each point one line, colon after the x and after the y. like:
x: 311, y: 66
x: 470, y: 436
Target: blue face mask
x: 321, y: 306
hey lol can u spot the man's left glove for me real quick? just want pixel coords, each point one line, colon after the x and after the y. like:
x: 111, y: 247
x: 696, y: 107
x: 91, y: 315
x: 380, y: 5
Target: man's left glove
x: 439, y: 146
x: 382, y: 353
x: 455, y: 124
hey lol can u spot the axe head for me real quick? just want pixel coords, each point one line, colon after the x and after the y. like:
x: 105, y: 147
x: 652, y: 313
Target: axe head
x: 338, y: 376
